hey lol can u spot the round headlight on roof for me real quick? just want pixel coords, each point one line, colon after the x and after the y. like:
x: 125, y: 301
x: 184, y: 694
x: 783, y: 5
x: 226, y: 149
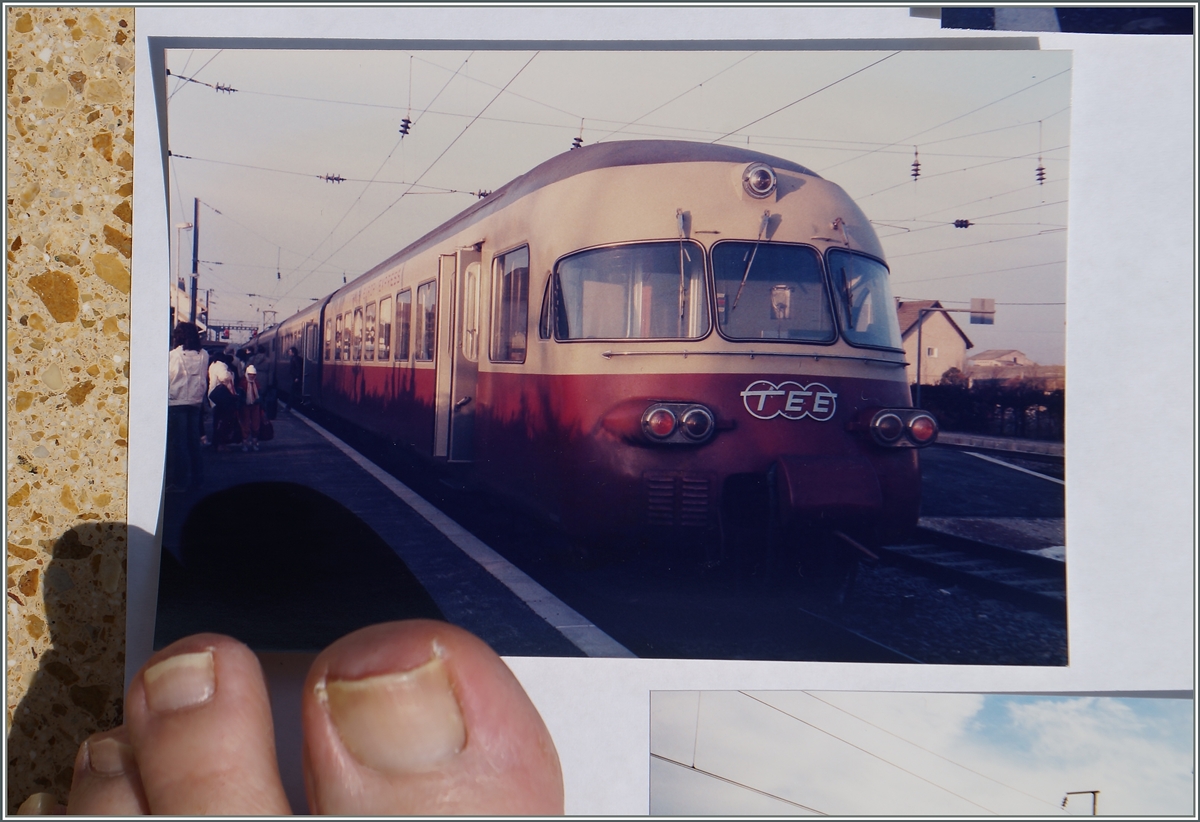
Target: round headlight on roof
x: 759, y: 180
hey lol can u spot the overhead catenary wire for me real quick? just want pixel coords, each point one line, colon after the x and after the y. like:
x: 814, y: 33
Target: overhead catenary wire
x: 951, y: 171
x: 910, y: 137
x: 181, y: 84
x: 682, y: 94
x: 867, y: 752
x: 959, y: 206
x: 975, y: 220
x: 991, y: 130
x: 768, y: 140
x: 805, y: 97
x: 426, y: 110
x: 310, y: 175
x: 427, y: 168
x: 679, y: 132
x: 729, y: 781
x: 922, y: 747
x: 971, y: 245
x: 246, y: 228
x: 224, y: 87
x: 357, y: 199
x: 900, y: 281
x: 202, y: 68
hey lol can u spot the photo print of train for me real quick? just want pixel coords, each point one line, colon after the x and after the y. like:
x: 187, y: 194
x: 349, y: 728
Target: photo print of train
x: 704, y: 354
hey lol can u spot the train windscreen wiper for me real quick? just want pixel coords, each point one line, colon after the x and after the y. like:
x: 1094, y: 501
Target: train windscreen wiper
x: 679, y: 219
x: 762, y: 229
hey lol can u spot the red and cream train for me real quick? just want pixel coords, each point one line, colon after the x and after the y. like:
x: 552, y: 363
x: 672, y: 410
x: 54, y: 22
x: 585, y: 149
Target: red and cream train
x: 641, y: 341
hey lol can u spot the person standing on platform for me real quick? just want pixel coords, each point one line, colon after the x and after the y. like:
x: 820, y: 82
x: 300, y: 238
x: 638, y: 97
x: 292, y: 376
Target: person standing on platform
x: 250, y: 412
x: 296, y: 372
x: 222, y: 393
x: 187, y: 385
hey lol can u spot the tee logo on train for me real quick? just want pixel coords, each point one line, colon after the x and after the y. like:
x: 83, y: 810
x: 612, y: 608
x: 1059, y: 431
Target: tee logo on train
x: 766, y: 400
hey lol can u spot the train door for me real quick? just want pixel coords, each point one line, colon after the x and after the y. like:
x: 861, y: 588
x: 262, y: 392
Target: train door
x: 311, y: 376
x: 466, y: 356
x: 444, y: 357
x: 458, y: 355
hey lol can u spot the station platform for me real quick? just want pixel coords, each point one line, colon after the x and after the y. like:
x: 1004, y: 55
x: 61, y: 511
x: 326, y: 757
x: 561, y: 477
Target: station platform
x: 1012, y: 444
x: 304, y: 541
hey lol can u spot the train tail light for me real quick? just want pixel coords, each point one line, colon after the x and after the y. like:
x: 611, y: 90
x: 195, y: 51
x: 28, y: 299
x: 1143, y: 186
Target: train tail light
x: 902, y: 428
x: 658, y: 422
x: 677, y: 423
x: 922, y: 429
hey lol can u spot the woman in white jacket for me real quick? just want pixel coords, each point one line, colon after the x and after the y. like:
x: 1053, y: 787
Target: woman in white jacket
x: 187, y: 374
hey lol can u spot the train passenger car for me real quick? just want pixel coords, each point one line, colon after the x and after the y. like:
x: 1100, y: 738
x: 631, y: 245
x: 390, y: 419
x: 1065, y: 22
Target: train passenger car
x: 646, y: 342
x: 301, y: 331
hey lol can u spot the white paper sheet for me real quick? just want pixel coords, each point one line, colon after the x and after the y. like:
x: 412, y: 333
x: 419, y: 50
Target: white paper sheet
x: 1130, y: 357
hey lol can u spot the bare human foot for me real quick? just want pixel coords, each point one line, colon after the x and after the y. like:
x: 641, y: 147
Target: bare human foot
x: 405, y: 718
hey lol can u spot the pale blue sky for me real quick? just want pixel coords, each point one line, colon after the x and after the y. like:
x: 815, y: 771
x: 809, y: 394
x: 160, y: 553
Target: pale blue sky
x: 481, y: 118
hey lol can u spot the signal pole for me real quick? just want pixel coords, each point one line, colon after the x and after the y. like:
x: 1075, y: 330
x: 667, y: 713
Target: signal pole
x: 195, y: 255
x: 982, y: 311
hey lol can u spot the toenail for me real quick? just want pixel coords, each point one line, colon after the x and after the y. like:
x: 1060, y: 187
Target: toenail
x: 180, y: 681
x: 38, y: 804
x: 108, y: 757
x: 403, y: 722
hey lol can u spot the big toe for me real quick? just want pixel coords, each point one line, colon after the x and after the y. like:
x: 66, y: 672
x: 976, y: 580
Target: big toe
x: 420, y: 717
x: 199, y: 720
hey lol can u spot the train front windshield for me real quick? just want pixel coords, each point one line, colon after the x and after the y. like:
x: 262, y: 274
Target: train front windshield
x: 638, y: 291
x: 866, y: 309
x: 764, y: 291
x: 771, y: 291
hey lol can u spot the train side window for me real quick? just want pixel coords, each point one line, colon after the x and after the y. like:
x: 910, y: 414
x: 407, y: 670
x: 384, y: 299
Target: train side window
x: 357, y: 340
x: 369, y: 333
x: 338, y: 338
x: 328, y: 338
x: 425, y: 322
x: 403, y: 324
x: 346, y: 334
x: 470, y: 318
x: 510, y: 305
x: 385, y: 328
x: 310, y: 342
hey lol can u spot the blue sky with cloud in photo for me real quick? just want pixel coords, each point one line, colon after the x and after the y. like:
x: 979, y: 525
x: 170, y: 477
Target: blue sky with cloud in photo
x: 864, y: 753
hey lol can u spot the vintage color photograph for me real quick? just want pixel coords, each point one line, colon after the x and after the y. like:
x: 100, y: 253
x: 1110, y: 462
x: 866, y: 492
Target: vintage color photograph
x: 670, y: 354
x: 802, y: 753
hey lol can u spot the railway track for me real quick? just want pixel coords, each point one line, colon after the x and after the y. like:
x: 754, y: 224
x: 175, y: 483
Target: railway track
x: 1027, y: 580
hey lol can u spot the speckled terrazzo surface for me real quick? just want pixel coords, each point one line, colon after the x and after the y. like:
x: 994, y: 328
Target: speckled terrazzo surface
x: 69, y: 110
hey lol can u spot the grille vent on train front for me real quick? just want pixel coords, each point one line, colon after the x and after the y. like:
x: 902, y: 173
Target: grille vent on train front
x: 674, y: 500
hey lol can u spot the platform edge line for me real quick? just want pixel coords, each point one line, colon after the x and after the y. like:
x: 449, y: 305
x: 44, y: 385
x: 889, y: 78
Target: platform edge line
x: 594, y: 642
x: 1015, y: 467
